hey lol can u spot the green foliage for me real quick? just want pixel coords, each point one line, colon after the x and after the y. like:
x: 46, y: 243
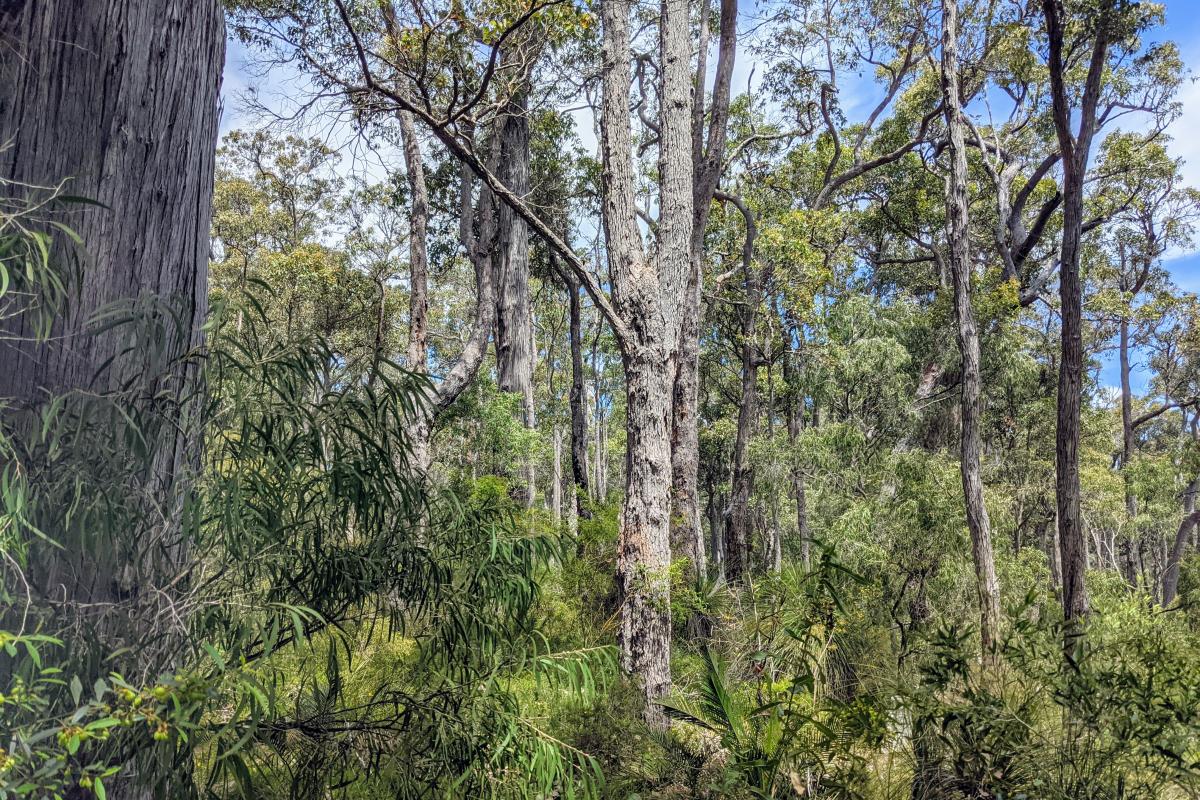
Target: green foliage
x: 1116, y: 718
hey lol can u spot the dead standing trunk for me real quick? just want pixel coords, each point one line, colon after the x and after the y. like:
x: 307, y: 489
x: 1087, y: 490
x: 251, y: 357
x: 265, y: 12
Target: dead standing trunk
x: 958, y: 230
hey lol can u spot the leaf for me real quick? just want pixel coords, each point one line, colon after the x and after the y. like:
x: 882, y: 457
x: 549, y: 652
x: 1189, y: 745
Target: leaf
x: 76, y: 689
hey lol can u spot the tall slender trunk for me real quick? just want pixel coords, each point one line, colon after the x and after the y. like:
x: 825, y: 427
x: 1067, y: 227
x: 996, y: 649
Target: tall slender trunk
x: 795, y: 424
x: 417, y: 354
x: 579, y: 470
x: 1075, y: 148
x: 1128, y: 549
x: 708, y: 154
x: 737, y: 535
x: 959, y: 230
x: 556, y: 482
x: 1170, y: 579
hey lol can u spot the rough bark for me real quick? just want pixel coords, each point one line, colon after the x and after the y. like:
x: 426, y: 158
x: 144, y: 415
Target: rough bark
x: 121, y: 101
x: 514, y: 328
x: 958, y: 230
x: 708, y: 153
x: 1075, y: 148
x: 647, y: 295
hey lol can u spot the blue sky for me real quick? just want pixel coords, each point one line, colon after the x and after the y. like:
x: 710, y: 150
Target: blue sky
x: 1182, y: 26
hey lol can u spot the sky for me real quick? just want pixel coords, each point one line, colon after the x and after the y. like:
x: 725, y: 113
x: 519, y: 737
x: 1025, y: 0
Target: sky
x: 1182, y: 26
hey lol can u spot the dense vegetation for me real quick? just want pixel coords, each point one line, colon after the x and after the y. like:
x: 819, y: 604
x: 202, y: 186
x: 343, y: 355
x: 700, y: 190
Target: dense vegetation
x: 527, y: 410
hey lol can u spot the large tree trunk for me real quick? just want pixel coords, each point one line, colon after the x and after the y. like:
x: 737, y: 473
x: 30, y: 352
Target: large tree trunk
x: 986, y: 587
x: 121, y: 101
x: 648, y: 295
x: 643, y: 555
x: 1075, y: 148
x: 514, y: 313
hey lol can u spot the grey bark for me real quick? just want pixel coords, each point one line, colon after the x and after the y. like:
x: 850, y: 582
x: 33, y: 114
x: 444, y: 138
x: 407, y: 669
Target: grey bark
x: 708, y: 154
x: 647, y: 296
x: 121, y: 100
x: 987, y: 588
x: 514, y: 313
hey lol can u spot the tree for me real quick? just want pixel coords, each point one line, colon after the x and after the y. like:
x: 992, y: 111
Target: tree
x: 958, y: 232
x: 1111, y: 25
x: 708, y: 165
x: 136, y: 135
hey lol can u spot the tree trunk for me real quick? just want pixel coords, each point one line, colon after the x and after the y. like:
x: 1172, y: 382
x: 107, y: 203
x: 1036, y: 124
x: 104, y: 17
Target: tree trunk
x: 643, y: 554
x: 648, y: 295
x: 1075, y: 148
x: 514, y: 314
x: 737, y: 535
x: 1129, y: 565
x: 986, y: 587
x: 556, y: 482
x: 121, y: 101
x: 687, y: 534
x: 579, y: 470
x: 417, y: 356
x: 795, y: 424
x: 1170, y: 580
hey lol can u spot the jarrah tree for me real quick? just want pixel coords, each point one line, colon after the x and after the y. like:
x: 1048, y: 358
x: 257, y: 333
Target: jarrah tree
x: 1075, y: 126
x: 648, y: 297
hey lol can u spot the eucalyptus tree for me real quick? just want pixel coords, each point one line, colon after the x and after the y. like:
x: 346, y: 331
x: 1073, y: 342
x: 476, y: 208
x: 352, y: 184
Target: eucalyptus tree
x: 454, y: 87
x: 136, y: 136
x: 1088, y: 42
x: 958, y: 232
